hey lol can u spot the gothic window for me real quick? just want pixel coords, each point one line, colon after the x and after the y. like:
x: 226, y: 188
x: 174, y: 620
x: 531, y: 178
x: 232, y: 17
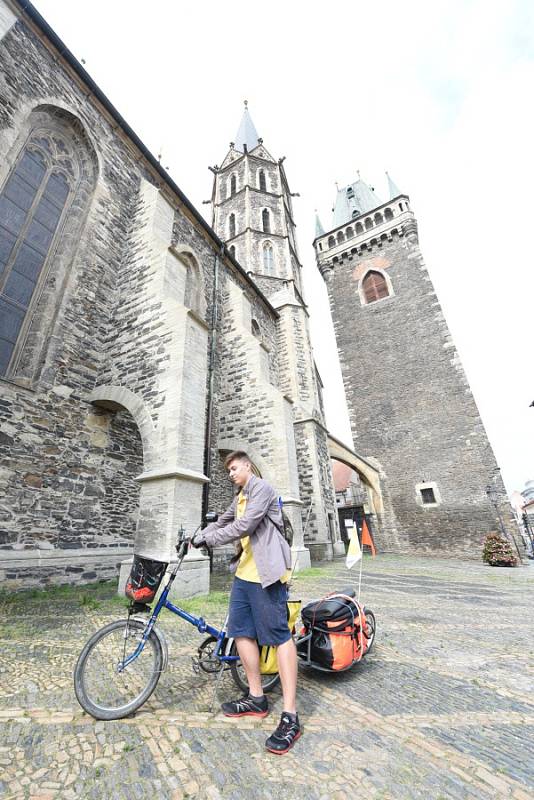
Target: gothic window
x: 268, y: 258
x: 340, y: 237
x: 378, y: 219
x: 331, y: 241
x: 33, y: 201
x: 374, y: 287
x: 368, y: 223
x: 266, y: 220
x: 232, y: 251
x: 231, y: 226
x: 262, y: 181
x: 233, y: 184
x: 359, y: 228
x: 349, y: 233
x: 388, y: 213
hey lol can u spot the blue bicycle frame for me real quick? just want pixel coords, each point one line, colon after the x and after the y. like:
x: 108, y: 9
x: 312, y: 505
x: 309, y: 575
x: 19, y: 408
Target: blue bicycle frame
x: 198, y: 622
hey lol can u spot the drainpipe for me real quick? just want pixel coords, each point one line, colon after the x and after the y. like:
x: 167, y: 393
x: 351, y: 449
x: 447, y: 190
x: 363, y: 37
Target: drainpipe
x: 211, y: 378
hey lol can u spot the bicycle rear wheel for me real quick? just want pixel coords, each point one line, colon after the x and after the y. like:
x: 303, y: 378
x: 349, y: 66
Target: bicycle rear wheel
x: 100, y: 688
x: 240, y: 678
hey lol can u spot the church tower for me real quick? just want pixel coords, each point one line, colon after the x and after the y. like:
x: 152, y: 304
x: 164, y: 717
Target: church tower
x: 410, y: 405
x: 253, y: 215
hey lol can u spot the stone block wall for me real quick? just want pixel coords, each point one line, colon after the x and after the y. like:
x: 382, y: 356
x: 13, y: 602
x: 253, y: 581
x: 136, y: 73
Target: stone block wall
x: 410, y: 404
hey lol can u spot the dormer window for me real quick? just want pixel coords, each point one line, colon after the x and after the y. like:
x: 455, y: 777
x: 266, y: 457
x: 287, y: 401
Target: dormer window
x: 350, y: 192
x: 355, y: 213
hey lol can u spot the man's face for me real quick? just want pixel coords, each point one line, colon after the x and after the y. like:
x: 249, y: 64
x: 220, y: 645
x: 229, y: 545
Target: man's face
x: 239, y: 472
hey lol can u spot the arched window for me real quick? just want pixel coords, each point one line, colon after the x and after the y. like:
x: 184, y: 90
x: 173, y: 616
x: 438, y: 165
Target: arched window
x: 368, y: 223
x: 266, y: 220
x: 379, y: 219
x: 231, y: 250
x: 268, y: 258
x: 261, y: 180
x: 340, y: 237
x: 33, y: 202
x: 374, y: 287
x: 388, y: 213
x: 355, y: 213
x: 331, y: 241
x: 231, y: 226
x: 233, y: 184
x: 359, y: 228
x: 349, y: 233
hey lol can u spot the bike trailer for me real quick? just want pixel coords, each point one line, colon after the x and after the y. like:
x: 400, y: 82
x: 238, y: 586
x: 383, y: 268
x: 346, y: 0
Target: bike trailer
x: 334, y: 636
x: 144, y: 579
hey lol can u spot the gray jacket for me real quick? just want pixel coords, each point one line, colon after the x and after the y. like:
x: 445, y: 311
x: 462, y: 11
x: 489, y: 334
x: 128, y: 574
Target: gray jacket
x: 272, y: 553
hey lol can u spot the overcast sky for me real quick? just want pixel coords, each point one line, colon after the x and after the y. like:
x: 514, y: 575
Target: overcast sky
x: 437, y: 93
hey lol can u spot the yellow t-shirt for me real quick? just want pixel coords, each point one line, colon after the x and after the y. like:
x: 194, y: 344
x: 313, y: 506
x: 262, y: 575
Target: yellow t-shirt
x: 247, y: 569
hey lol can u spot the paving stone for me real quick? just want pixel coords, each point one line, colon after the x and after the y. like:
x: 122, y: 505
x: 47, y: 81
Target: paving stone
x: 437, y: 711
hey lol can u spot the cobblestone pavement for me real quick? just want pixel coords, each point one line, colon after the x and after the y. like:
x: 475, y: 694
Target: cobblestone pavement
x: 442, y: 708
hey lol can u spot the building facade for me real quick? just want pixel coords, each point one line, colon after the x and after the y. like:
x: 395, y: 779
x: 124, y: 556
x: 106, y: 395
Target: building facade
x: 135, y: 349
x: 411, y: 410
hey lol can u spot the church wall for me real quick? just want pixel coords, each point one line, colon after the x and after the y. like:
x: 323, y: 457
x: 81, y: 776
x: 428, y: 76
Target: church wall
x: 410, y: 403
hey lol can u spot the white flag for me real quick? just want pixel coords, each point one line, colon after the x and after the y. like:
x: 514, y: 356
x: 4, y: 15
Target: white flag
x: 354, y: 553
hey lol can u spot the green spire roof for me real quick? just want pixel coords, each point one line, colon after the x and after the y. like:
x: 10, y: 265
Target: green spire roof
x: 355, y: 199
x: 247, y: 134
x: 319, y: 230
x: 394, y: 190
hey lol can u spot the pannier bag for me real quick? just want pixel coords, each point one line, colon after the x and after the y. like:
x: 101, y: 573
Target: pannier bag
x: 268, y: 659
x: 144, y: 579
x: 335, y: 624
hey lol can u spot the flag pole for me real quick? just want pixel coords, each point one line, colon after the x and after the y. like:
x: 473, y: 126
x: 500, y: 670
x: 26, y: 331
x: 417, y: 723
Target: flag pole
x: 360, y: 577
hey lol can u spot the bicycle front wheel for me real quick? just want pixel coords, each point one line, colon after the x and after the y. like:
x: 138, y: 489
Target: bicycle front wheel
x: 101, y: 688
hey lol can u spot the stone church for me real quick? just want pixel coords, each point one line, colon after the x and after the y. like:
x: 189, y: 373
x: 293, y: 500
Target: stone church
x: 139, y: 344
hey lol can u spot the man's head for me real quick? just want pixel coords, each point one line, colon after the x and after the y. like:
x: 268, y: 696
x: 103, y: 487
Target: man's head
x: 239, y: 467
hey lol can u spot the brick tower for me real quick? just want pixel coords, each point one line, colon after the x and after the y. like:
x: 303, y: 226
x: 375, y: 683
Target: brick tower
x: 410, y: 405
x: 252, y: 213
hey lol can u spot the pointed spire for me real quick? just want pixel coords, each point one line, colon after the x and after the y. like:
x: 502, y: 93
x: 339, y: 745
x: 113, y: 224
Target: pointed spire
x: 247, y: 135
x: 393, y: 189
x: 319, y: 230
x: 355, y: 199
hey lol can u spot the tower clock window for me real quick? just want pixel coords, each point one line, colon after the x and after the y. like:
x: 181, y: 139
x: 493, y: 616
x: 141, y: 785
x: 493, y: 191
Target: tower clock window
x: 374, y: 287
x: 266, y: 220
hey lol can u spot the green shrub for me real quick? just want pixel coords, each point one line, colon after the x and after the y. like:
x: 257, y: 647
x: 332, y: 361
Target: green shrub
x: 498, y: 551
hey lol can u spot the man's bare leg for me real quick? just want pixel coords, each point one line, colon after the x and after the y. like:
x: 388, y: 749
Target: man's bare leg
x: 287, y: 668
x: 250, y: 658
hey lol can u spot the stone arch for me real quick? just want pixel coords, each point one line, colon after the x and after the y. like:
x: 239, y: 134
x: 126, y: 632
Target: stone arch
x: 115, y: 398
x: 368, y: 474
x: 264, y: 470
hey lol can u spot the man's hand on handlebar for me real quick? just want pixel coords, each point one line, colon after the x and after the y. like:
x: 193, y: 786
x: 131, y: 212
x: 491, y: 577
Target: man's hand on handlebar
x: 198, y: 540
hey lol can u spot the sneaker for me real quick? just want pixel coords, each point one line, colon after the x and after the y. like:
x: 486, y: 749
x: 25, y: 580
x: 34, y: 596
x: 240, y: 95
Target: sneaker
x: 285, y: 735
x: 246, y: 707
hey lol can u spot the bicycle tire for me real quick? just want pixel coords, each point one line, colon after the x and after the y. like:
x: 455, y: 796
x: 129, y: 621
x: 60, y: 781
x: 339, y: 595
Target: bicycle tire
x: 238, y: 674
x: 100, y: 689
x: 370, y: 625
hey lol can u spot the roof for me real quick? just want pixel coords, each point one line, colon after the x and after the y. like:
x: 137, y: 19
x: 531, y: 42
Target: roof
x: 247, y: 133
x: 319, y: 230
x: 394, y: 190
x: 355, y: 199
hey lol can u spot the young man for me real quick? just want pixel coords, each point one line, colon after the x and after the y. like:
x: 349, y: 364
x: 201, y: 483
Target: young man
x: 258, y: 610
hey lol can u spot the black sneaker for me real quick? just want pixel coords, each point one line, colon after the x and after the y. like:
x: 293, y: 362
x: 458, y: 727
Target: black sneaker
x: 285, y: 735
x: 246, y: 707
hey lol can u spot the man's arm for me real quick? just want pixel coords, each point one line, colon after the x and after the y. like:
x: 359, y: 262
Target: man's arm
x: 257, y: 507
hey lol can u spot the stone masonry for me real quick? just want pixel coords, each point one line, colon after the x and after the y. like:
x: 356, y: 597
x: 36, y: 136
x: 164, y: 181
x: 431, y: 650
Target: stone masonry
x: 411, y: 409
